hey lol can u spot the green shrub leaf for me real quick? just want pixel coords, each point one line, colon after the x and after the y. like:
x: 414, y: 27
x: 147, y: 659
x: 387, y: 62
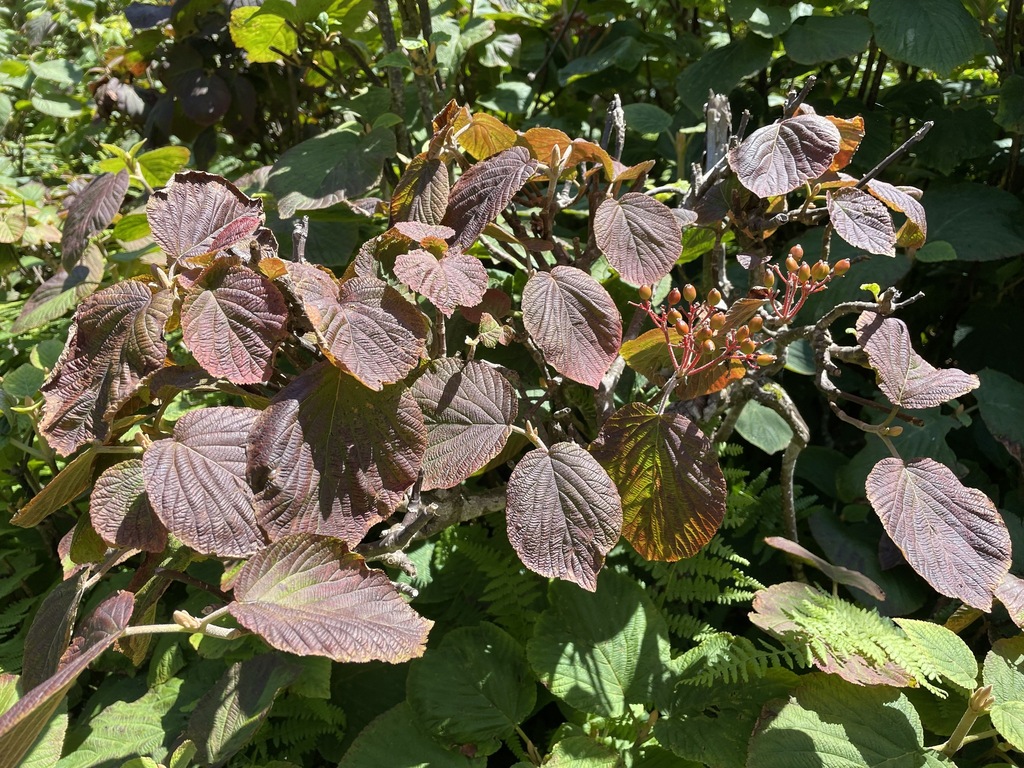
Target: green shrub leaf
x: 934, y: 34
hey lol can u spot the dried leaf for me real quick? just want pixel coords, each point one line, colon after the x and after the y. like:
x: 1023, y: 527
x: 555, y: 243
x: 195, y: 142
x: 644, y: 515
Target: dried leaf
x: 455, y: 280
x: 781, y: 157
x: 640, y: 237
x: 851, y: 133
x: 862, y: 221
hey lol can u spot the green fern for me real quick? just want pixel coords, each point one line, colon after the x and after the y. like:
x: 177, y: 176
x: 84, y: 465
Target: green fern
x: 295, y: 729
x: 723, y: 657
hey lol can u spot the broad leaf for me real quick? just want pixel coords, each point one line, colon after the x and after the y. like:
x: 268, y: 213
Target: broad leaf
x: 649, y: 355
x: 468, y: 409
x: 232, y: 319
x: 1010, y: 593
x: 50, y: 632
x: 584, y: 752
x: 331, y: 456
x: 639, y: 236
x: 541, y: 141
x: 160, y: 164
x: 70, y: 483
x: 851, y: 130
x: 950, y: 534
x: 934, y: 34
x: 89, y: 212
x: 422, y: 192
x: 906, y: 378
x: 763, y: 427
x: 563, y: 513
x: 194, y: 214
x: 120, y: 510
x: 62, y: 292
x: 817, y: 39
x: 473, y: 689
x: 453, y: 281
x: 837, y: 573
x: 196, y: 482
x: 46, y: 751
x: 914, y: 231
x: 483, y: 135
x: 13, y: 224
x: 483, y: 191
x: 574, y: 321
x: 307, y: 594
x: 781, y: 157
x: 116, y: 340
x: 673, y: 491
x: 21, y: 724
x: 980, y: 222
x: 947, y: 652
x: 862, y: 221
x: 1001, y: 401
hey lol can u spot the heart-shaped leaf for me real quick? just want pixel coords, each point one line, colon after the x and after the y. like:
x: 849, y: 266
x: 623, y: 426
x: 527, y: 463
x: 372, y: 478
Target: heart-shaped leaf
x: 574, y: 322
x: 468, y: 409
x: 673, y: 491
x: 950, y: 534
x: 196, y: 482
x: 422, y: 192
x: 116, y: 340
x: 563, y: 513
x: 906, y: 378
x: 331, y: 456
x: 639, y: 236
x: 89, y: 212
x: 914, y: 231
x: 781, y: 157
x: 232, y: 319
x: 120, y: 510
x: 453, y: 281
x: 307, y: 594
x: 862, y: 221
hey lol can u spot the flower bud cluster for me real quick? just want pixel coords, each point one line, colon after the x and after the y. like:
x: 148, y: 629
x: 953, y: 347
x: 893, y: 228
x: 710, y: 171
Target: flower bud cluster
x: 799, y: 281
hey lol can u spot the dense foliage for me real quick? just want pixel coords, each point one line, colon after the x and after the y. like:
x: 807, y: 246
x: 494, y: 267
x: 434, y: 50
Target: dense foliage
x: 443, y: 384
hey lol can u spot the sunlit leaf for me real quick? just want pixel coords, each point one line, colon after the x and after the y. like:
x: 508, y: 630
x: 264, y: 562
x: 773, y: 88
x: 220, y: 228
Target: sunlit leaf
x: 331, y: 456
x: 952, y: 535
x: 120, y: 510
x: 89, y: 212
x: 837, y: 573
x: 13, y: 224
x: 862, y: 221
x: 50, y: 631
x: 914, y: 231
x: 673, y: 491
x: 639, y: 236
x: 265, y: 34
x: 783, y: 156
x: 851, y: 130
x: 455, y: 280
x: 196, y: 482
x: 649, y: 355
x: 160, y: 164
x: 64, y: 488
x: 422, y: 192
x: 468, y: 409
x: 483, y: 135
x: 541, y: 141
x: 308, y: 594
x: 563, y: 513
x: 62, y: 292
x: 946, y: 650
x: 574, y: 321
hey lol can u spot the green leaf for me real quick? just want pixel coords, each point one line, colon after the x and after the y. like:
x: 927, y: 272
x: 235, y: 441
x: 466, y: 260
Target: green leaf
x: 131, y: 228
x: 159, y: 165
x: 601, y: 651
x: 1008, y: 718
x: 259, y: 30
x: 6, y: 110
x: 62, y: 292
x: 24, y: 381
x: 475, y: 688
x: 1009, y: 114
x: 1004, y: 669
x: 722, y: 69
x: 12, y: 225
x: 816, y: 39
x: 512, y: 97
x: 57, y: 105
x: 60, y: 71
x: 581, y: 752
x: 946, y: 652
x: 647, y: 119
x: 832, y: 723
x: 934, y: 34
x: 48, y: 747
x: 936, y: 250
x: 64, y: 488
x: 624, y: 53
x: 1001, y: 401
x: 763, y: 427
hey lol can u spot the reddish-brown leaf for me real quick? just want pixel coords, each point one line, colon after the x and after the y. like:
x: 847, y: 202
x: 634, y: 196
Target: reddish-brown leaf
x: 649, y: 355
x: 90, y: 212
x: 453, y: 281
x: 862, y: 221
x: 574, y: 321
x: 950, y: 534
x: 914, y: 231
x: 541, y: 141
x: 196, y: 482
x: 640, y: 237
x: 422, y: 192
x: 837, y: 573
x: 232, y: 320
x: 331, y: 456
x: 120, y: 510
x: 308, y: 594
x: 563, y: 514
x: 851, y: 132
x: 495, y: 302
x: 783, y: 156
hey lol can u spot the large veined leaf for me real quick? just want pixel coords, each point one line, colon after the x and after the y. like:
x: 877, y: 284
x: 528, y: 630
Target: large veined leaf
x: 468, y: 409
x: 50, y: 743
x: 639, y: 236
x: 50, y: 632
x: 934, y: 34
x: 950, y: 534
x: 914, y: 231
x: 906, y: 378
x: 574, y: 322
x: 331, y: 456
x: 862, y: 221
x: 1004, y: 671
x: 780, y: 157
x: 196, y: 482
x: 376, y: 745
x: 453, y: 281
x: 120, y: 510
x: 67, y: 486
x: 484, y: 190
x: 116, y: 340
x: 422, y: 192
x: 90, y: 212
x: 673, y: 491
x: 232, y: 319
x: 365, y: 326
x: 482, y: 135
x: 847, y: 725
x: 475, y: 688
x: 22, y: 723
x: 600, y: 652
x: 587, y: 752
x: 62, y: 292
x: 816, y: 39
x: 649, y: 355
x: 950, y: 655
x: 563, y: 513
x: 1001, y: 401
x: 199, y: 213
x: 851, y: 130
x: 265, y: 33
x: 308, y: 594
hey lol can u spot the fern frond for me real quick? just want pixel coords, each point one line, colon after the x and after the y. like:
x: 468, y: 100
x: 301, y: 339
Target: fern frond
x: 723, y: 657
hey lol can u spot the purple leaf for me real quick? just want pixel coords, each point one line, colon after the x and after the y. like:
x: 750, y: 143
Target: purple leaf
x: 232, y: 320
x: 196, y: 482
x: 64, y: 488
x: 62, y: 292
x: 422, y: 192
x: 639, y: 235
x: 89, y: 212
x: 906, y: 378
x: 862, y: 221
x: 914, y: 231
x: 563, y: 514
x: 307, y: 594
x: 484, y: 190
x: 951, y: 535
x: 453, y: 281
x: 468, y: 409
x: 115, y: 340
x: 779, y: 158
x: 1010, y: 593
x: 204, y: 98
x: 331, y: 456
x: 120, y: 510
x: 837, y: 573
